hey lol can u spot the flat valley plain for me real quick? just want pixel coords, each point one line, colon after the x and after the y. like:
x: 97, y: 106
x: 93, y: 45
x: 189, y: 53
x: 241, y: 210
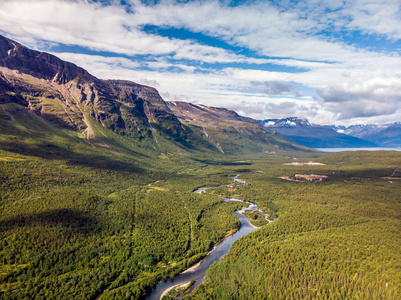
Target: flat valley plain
x: 108, y: 219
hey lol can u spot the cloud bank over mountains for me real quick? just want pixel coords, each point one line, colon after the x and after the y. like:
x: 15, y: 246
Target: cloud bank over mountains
x: 328, y: 61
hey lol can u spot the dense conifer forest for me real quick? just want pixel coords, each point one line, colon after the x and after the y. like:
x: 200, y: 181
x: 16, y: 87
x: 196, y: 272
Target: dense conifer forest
x: 108, y: 218
x: 337, y: 239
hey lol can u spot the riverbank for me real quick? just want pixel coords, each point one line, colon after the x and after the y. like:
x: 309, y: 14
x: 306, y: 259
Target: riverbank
x: 184, y: 286
x: 198, y: 271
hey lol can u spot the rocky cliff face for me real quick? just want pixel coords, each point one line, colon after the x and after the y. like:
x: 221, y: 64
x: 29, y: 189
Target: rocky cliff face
x: 41, y: 65
x: 147, y: 93
x: 64, y: 93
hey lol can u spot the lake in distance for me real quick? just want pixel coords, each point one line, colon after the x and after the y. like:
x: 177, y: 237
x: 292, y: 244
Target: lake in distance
x: 358, y: 149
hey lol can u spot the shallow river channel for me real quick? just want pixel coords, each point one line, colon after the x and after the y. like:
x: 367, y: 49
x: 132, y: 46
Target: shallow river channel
x: 198, y: 273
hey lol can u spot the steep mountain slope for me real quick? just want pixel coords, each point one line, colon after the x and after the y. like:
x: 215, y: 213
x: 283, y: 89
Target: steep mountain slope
x: 386, y: 135
x: 315, y: 136
x: 67, y: 95
x: 229, y: 132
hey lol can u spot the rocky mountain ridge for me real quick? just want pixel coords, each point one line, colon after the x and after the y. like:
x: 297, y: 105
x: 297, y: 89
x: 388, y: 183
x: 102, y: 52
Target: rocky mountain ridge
x: 219, y: 123
x: 67, y: 95
x: 64, y: 93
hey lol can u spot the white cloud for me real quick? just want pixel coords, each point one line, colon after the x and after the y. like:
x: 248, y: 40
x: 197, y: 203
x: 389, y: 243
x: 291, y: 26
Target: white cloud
x: 292, y: 33
x: 287, y: 34
x: 375, y: 17
x: 277, y: 88
x: 99, y: 65
x: 258, y: 26
x: 376, y: 97
x: 100, y: 28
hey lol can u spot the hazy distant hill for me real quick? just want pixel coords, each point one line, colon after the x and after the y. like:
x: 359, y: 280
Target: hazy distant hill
x: 316, y: 136
x: 386, y: 135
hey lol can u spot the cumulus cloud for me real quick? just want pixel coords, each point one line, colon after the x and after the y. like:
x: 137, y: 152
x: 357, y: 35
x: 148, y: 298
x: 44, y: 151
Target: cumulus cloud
x: 281, y: 108
x: 271, y: 30
x: 260, y: 26
x: 99, y: 27
x: 381, y: 96
x: 152, y: 83
x: 277, y: 88
x: 374, y: 17
x: 290, y: 39
x: 284, y: 108
x: 292, y: 109
x: 99, y: 65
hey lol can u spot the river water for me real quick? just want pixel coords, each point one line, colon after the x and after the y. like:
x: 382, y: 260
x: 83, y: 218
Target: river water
x: 198, y: 274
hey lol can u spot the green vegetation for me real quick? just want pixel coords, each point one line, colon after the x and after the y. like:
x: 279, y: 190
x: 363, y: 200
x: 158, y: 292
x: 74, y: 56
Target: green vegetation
x: 104, y: 218
x: 337, y: 239
x: 256, y: 218
x: 109, y: 217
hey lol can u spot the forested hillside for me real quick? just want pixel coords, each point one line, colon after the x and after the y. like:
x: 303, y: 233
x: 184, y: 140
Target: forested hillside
x: 107, y: 217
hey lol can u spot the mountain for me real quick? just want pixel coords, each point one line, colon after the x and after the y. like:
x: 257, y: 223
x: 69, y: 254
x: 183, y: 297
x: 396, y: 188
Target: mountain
x: 66, y: 95
x: 386, y: 135
x: 315, y: 136
x: 338, y: 128
x: 228, y: 131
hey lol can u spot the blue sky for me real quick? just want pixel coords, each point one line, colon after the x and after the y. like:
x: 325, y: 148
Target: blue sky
x: 329, y: 61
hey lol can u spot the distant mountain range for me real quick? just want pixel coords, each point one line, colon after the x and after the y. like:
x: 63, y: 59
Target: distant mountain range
x: 315, y: 136
x: 386, y: 135
x: 36, y: 84
x: 331, y: 136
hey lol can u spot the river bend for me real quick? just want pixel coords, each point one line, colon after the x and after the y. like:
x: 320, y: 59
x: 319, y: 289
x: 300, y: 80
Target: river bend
x: 197, y: 273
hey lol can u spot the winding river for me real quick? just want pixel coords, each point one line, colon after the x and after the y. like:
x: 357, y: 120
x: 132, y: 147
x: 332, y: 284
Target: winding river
x: 197, y: 272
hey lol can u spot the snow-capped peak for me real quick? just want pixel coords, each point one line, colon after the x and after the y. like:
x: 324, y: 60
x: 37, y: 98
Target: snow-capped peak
x: 290, y: 123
